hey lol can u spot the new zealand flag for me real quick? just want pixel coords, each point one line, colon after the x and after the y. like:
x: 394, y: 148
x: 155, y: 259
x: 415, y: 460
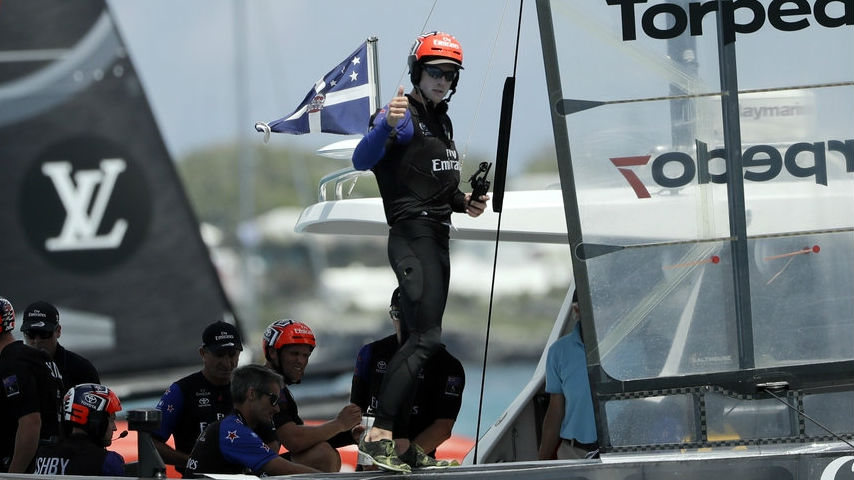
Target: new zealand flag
x: 338, y: 102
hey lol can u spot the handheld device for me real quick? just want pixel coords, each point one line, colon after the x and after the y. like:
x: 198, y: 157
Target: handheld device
x: 478, y: 181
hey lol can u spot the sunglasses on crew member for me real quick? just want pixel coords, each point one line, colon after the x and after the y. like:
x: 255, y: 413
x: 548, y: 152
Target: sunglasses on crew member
x: 274, y: 397
x: 44, y: 335
x: 437, y: 72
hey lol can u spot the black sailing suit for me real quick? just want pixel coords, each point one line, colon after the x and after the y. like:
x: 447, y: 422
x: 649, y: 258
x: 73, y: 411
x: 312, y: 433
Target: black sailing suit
x: 418, y: 174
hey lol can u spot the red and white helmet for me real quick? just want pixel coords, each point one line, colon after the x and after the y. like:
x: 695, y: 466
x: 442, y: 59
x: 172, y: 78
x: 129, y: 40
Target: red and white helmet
x: 288, y: 332
x: 436, y: 47
x: 88, y: 406
x: 433, y: 48
x: 7, y: 316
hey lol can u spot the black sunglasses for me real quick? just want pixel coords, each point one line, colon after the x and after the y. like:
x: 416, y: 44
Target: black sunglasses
x: 437, y: 72
x: 44, y: 335
x: 274, y: 397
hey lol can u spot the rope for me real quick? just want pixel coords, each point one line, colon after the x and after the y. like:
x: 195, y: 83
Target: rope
x: 405, y: 70
x: 485, y: 76
x: 803, y: 414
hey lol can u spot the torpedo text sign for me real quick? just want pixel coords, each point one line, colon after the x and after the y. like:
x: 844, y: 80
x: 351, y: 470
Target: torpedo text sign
x: 761, y: 163
x: 787, y: 16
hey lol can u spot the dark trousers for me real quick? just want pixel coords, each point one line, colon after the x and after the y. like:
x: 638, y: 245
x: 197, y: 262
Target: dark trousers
x: 418, y: 253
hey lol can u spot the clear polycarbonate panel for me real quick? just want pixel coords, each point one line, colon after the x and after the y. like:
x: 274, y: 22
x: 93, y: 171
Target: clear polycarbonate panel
x: 801, y: 298
x: 798, y: 156
x: 599, y: 59
x: 636, y: 171
x: 795, y: 67
x: 729, y: 418
x: 639, y: 166
x: 831, y: 410
x: 815, y: 45
x: 643, y: 108
x: 659, y: 310
x: 641, y: 421
x: 634, y: 185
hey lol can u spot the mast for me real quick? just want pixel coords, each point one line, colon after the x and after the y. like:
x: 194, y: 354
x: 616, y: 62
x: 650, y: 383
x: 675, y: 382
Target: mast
x: 735, y: 196
x: 246, y: 166
x: 374, y: 73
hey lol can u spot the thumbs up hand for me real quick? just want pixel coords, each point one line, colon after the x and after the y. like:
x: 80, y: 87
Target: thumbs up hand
x: 397, y: 108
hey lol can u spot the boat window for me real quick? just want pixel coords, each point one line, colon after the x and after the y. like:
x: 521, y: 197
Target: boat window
x: 730, y: 418
x: 666, y: 255
x: 832, y: 410
x: 709, y: 176
x: 640, y: 421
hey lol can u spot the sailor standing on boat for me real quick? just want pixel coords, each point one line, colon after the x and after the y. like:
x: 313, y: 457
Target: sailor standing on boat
x: 411, y: 151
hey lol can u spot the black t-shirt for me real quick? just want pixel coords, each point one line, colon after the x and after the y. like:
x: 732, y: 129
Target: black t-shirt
x: 31, y: 383
x: 74, y: 368
x: 288, y: 412
x: 188, y: 406
x: 421, y: 178
x: 438, y: 389
x: 77, y: 455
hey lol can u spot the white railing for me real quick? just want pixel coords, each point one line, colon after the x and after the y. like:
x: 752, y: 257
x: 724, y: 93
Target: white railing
x: 341, y: 179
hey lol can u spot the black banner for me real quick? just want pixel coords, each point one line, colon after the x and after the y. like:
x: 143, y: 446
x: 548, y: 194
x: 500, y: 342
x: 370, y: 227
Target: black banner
x: 94, y: 217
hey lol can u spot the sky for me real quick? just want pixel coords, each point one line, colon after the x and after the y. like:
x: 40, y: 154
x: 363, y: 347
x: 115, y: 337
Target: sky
x: 185, y: 54
x: 191, y: 57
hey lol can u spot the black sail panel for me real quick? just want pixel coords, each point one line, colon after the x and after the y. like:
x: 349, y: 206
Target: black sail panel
x: 95, y: 219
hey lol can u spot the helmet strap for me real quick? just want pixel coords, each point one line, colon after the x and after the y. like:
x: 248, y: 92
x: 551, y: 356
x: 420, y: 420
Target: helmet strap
x: 277, y: 365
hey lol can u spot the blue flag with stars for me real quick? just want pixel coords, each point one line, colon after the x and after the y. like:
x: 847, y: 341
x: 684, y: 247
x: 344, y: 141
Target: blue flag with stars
x: 338, y: 103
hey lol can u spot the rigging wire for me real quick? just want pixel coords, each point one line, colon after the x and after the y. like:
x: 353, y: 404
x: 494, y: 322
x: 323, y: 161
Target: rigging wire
x: 497, y: 235
x: 803, y: 414
x: 405, y: 70
x: 485, y: 77
x: 813, y: 86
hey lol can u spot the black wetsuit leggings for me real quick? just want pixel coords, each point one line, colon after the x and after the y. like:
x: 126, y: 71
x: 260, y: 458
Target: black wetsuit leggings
x: 418, y: 252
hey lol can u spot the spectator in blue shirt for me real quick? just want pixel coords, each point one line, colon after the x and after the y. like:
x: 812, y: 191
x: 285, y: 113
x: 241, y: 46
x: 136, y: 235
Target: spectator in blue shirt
x: 569, y: 427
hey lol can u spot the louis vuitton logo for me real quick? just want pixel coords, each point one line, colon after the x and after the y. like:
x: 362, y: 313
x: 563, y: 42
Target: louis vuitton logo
x: 85, y: 200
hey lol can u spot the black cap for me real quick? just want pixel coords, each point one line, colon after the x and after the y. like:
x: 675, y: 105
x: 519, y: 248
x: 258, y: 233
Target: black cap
x: 221, y: 335
x: 40, y: 316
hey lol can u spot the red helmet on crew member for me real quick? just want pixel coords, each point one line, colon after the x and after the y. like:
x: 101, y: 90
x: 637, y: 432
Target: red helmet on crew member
x: 7, y: 316
x: 434, y: 48
x: 88, y: 406
x: 288, y: 332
